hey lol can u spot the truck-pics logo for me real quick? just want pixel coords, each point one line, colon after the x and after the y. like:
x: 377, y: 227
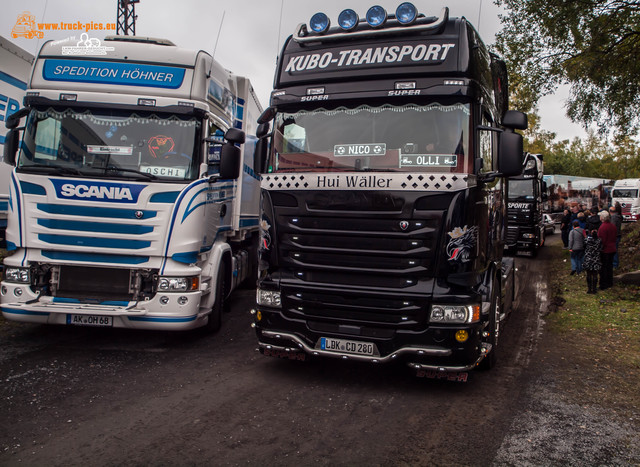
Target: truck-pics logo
x: 391, y: 55
x: 95, y: 191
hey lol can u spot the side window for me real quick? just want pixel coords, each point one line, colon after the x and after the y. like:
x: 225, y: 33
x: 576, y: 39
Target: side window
x: 486, y: 147
x: 214, y: 151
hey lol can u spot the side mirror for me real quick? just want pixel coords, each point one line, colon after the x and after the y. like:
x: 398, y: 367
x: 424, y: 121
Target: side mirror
x: 11, y: 142
x: 515, y: 120
x: 267, y: 115
x: 511, y: 154
x: 230, y: 158
x: 233, y: 135
x: 260, y: 155
x: 263, y: 130
x: 13, y: 120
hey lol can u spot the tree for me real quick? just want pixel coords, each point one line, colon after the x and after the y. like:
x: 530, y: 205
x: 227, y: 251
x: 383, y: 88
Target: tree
x: 593, y: 45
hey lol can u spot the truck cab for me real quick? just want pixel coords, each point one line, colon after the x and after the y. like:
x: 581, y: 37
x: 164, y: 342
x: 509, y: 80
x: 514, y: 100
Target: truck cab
x: 383, y: 211
x: 525, y: 200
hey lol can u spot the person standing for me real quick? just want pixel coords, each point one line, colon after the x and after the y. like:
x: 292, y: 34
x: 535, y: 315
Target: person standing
x: 576, y: 246
x: 592, y: 262
x: 616, y: 219
x: 565, y: 228
x: 607, y: 233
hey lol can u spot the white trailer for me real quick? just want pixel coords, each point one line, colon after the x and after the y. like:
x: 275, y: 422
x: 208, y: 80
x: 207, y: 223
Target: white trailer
x: 627, y: 193
x: 134, y: 202
x: 15, y: 67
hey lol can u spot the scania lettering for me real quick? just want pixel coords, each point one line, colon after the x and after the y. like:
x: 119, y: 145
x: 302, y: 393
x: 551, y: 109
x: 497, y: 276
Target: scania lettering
x: 134, y: 199
x: 527, y: 193
x: 15, y: 68
x: 383, y: 214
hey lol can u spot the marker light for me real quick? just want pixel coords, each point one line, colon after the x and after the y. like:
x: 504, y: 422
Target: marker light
x: 319, y: 23
x: 348, y: 19
x: 406, y: 13
x: 376, y: 16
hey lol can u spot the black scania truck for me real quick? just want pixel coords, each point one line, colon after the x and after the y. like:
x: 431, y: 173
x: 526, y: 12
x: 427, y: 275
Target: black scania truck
x: 526, y: 194
x: 383, y: 194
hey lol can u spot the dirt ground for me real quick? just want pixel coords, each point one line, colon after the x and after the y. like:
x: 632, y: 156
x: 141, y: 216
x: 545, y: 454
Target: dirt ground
x: 80, y: 396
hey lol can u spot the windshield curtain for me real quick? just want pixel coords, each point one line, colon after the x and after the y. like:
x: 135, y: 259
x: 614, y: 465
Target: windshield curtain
x: 108, y: 144
x: 521, y: 189
x: 408, y: 138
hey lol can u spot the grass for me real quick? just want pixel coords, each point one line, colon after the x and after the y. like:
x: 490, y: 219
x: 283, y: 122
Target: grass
x: 599, y: 333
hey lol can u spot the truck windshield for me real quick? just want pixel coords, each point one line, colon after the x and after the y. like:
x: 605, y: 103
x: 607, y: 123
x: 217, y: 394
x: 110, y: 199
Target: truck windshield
x: 408, y: 138
x: 110, y: 144
x: 521, y: 189
x: 624, y: 193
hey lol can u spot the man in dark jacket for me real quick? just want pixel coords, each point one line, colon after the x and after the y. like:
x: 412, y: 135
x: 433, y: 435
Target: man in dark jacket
x: 616, y: 219
x: 565, y: 227
x: 607, y: 233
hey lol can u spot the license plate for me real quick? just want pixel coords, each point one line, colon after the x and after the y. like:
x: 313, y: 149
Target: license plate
x: 345, y: 346
x: 90, y: 320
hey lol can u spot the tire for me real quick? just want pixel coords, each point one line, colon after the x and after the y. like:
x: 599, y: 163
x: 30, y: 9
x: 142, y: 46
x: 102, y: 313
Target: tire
x: 494, y: 332
x: 214, y: 322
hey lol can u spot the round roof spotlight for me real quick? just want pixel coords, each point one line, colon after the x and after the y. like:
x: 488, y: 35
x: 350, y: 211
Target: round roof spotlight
x: 348, y: 19
x: 319, y: 23
x: 406, y: 13
x: 376, y: 16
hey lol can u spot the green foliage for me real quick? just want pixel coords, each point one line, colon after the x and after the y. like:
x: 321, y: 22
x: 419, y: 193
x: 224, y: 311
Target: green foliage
x: 593, y: 45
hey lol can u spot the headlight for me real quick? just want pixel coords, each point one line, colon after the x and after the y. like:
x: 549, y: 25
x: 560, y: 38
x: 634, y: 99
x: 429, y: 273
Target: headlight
x: 454, y: 314
x: 178, y: 284
x: 528, y: 235
x: 268, y: 298
x: 20, y: 275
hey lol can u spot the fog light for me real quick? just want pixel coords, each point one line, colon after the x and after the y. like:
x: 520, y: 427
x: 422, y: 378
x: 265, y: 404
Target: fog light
x: 319, y: 23
x: 164, y: 300
x: 348, y: 19
x: 462, y: 335
x: 4, y: 290
x: 17, y: 292
x: 182, y: 300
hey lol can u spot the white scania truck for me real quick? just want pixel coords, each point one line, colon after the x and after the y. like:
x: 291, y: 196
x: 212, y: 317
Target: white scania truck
x: 627, y: 193
x: 15, y: 67
x: 133, y: 202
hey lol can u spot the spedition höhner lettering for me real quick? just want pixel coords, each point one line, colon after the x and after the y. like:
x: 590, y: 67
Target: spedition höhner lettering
x: 134, y: 74
x: 380, y: 55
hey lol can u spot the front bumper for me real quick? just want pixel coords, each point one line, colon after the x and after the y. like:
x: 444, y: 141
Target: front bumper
x: 431, y: 349
x: 149, y: 315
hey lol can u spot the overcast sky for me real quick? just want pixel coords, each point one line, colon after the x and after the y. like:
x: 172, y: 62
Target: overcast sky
x: 252, y: 33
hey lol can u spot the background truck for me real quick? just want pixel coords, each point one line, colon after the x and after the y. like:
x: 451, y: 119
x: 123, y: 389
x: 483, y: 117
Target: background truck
x: 565, y: 191
x: 627, y: 193
x: 15, y: 67
x: 526, y: 195
x: 383, y: 193
x: 134, y: 202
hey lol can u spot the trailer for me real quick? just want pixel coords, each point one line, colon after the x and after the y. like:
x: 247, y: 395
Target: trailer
x: 15, y: 68
x: 383, y: 213
x: 134, y: 203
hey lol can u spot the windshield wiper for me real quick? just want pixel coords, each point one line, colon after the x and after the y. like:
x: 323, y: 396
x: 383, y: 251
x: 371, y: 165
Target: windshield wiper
x: 113, y: 168
x: 54, y: 169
